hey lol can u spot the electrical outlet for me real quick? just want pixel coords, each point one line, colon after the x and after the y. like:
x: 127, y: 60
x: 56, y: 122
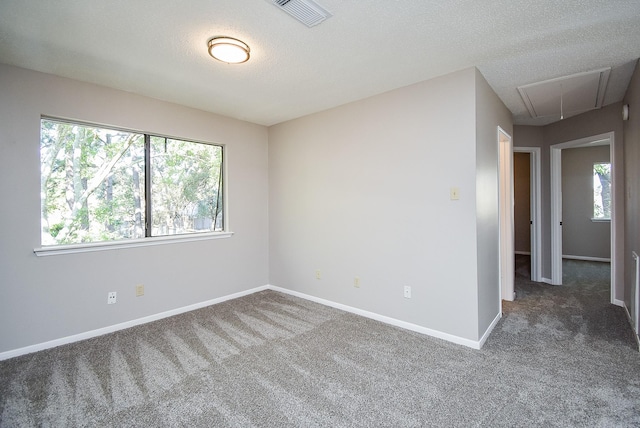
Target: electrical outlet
x: 407, y: 292
x: 356, y: 282
x: 111, y: 298
x: 139, y: 290
x: 318, y: 274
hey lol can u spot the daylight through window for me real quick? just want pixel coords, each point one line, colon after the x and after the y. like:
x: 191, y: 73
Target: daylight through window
x: 101, y: 184
x: 602, y: 191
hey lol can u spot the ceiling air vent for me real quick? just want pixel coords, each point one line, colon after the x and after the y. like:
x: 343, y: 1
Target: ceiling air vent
x: 305, y: 11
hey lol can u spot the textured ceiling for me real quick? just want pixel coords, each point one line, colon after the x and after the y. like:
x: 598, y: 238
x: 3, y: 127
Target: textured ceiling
x: 158, y: 48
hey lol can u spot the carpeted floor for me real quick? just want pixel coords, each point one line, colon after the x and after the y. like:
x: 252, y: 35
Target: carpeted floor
x: 560, y: 356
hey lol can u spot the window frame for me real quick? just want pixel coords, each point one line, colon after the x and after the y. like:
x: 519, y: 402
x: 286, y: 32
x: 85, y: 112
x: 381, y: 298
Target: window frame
x: 593, y: 193
x: 48, y: 250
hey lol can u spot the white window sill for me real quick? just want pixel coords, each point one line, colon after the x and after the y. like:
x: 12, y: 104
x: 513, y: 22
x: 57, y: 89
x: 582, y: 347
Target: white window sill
x: 54, y: 250
x: 600, y: 220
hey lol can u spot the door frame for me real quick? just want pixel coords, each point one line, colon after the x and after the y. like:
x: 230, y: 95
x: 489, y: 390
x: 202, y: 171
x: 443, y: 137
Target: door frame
x: 535, y: 174
x: 505, y: 208
x: 556, y: 205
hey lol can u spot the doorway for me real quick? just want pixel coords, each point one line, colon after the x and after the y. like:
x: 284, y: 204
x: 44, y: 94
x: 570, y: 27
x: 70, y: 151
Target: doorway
x: 557, y: 199
x: 533, y: 217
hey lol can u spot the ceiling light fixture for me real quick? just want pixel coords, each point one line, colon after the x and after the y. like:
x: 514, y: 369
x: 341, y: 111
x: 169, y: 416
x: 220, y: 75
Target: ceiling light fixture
x: 229, y: 50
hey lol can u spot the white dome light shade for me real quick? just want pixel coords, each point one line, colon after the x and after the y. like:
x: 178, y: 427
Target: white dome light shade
x: 229, y: 50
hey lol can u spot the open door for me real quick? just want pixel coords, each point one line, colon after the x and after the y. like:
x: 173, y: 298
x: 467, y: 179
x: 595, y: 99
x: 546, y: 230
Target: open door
x: 507, y: 255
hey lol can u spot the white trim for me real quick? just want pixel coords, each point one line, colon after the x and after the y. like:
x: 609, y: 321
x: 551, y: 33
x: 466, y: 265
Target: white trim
x: 130, y: 243
x: 635, y: 334
x: 586, y: 258
x: 546, y: 280
x: 556, y: 204
x: 614, y: 214
x: 226, y: 220
x: 523, y: 253
x: 536, y: 211
x: 388, y: 320
x: 635, y: 294
x: 506, y: 233
x: 488, y: 331
x: 619, y: 303
x: 121, y: 326
x: 556, y: 216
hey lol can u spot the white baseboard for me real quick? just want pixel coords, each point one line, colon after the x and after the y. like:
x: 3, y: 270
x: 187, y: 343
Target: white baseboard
x: 523, y: 253
x: 618, y: 302
x: 636, y: 334
x: 487, y: 333
x: 586, y: 258
x: 546, y: 281
x: 121, y: 326
x: 392, y: 321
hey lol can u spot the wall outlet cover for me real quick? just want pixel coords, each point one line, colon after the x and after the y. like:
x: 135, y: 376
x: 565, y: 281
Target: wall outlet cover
x: 407, y: 292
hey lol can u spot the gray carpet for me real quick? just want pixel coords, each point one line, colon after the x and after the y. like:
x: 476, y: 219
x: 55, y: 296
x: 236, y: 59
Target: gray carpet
x: 561, y: 356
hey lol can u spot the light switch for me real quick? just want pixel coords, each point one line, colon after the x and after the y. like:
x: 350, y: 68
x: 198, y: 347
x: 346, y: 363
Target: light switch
x: 454, y: 193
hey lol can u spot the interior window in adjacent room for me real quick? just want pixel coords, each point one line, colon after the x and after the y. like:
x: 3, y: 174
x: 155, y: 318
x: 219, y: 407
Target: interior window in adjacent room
x: 602, y: 191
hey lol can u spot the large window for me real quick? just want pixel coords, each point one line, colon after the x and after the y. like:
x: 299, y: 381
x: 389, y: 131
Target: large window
x: 602, y: 191
x: 101, y: 184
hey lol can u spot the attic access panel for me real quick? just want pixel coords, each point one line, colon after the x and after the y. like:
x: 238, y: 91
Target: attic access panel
x: 567, y: 96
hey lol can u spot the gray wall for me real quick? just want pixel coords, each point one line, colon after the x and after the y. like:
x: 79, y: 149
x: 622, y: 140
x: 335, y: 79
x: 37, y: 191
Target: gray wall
x: 632, y: 181
x: 522, y: 201
x: 581, y: 236
x: 363, y: 190
x: 359, y: 190
x: 46, y: 298
x: 595, y: 122
x: 490, y: 113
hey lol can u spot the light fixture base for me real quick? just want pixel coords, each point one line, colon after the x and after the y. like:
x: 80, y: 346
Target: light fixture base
x: 229, y: 50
